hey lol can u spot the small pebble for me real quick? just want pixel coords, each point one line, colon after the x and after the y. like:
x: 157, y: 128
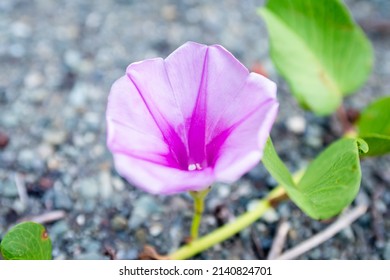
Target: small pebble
x: 271, y: 216
x: 118, y: 184
x: 105, y: 184
x: 80, y: 220
x: 8, y: 189
x: 4, y: 140
x: 119, y: 223
x: 386, y: 253
x: 88, y: 188
x: 33, y: 80
x: 296, y: 124
x: 169, y: 12
x: 143, y: 209
x: 156, y: 229
x: 21, y: 29
x: 54, y: 137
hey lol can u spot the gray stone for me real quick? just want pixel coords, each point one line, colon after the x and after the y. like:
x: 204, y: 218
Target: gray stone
x: 93, y: 20
x: 72, y: 59
x: 45, y: 151
x: 27, y: 158
x: 271, y: 216
x: 156, y: 229
x: 8, y: 189
x: 118, y: 184
x: 91, y: 246
x: 284, y: 210
x: 144, y: 207
x: 386, y: 252
x: 127, y: 254
x: 21, y: 29
x: 252, y: 205
x: 119, y: 223
x: 91, y: 256
x: 93, y: 120
x: 38, y: 95
x: 78, y: 95
x: 223, y: 190
x: 33, y: 80
x: 54, y: 137
x: 89, y: 205
x: 9, y: 120
x: 87, y: 187
x: 17, y: 50
x: 348, y: 233
x: 363, y: 198
x: 296, y: 124
x: 58, y: 229
x: 80, y: 220
x: 19, y: 207
x: 105, y: 184
x: 62, y: 200
x: 314, y: 136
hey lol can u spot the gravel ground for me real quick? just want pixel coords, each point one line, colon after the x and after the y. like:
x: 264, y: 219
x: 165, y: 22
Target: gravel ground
x: 59, y: 59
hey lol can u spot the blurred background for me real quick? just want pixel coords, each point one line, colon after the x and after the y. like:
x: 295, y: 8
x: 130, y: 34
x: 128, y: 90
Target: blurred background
x: 58, y: 60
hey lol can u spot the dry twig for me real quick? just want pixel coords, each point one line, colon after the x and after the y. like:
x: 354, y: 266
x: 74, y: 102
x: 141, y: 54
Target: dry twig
x: 45, y: 218
x: 21, y: 187
x: 280, y: 239
x: 110, y: 252
x: 149, y: 253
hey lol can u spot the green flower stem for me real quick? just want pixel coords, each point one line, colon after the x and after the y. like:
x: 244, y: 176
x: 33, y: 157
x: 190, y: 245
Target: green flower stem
x: 230, y: 229
x: 198, y: 211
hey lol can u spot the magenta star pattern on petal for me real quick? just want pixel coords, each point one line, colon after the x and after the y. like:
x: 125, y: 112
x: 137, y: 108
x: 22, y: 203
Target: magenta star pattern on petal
x: 195, y: 118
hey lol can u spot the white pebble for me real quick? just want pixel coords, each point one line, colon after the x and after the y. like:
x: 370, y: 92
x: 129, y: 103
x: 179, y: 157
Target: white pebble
x: 296, y: 124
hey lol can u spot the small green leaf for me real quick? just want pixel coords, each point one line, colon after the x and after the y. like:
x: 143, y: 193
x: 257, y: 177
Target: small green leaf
x: 374, y: 127
x: 362, y: 146
x: 332, y: 180
x: 317, y: 47
x: 26, y: 241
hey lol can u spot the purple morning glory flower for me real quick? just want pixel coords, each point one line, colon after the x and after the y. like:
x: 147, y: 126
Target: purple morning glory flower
x: 182, y: 123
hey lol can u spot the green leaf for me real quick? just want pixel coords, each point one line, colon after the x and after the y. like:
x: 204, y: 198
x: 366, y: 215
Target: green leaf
x: 331, y: 181
x: 276, y: 167
x: 374, y: 127
x: 26, y: 241
x: 318, y: 49
x: 280, y: 172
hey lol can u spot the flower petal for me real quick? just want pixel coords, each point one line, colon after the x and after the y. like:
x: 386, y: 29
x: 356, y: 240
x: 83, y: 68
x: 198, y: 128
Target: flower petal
x: 247, y: 124
x: 185, y: 69
x: 160, y: 179
x: 153, y: 86
x: 205, y: 81
x: 130, y: 128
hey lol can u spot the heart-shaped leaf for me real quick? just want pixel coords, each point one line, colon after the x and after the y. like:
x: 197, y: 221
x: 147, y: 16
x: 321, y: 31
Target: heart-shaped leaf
x: 374, y: 127
x: 318, y: 49
x: 330, y: 182
x: 26, y: 241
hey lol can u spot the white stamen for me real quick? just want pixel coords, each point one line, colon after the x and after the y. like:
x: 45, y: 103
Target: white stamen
x: 194, y: 166
x: 191, y: 167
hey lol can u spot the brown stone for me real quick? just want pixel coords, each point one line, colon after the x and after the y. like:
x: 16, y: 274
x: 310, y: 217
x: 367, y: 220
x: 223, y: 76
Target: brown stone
x: 4, y: 140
